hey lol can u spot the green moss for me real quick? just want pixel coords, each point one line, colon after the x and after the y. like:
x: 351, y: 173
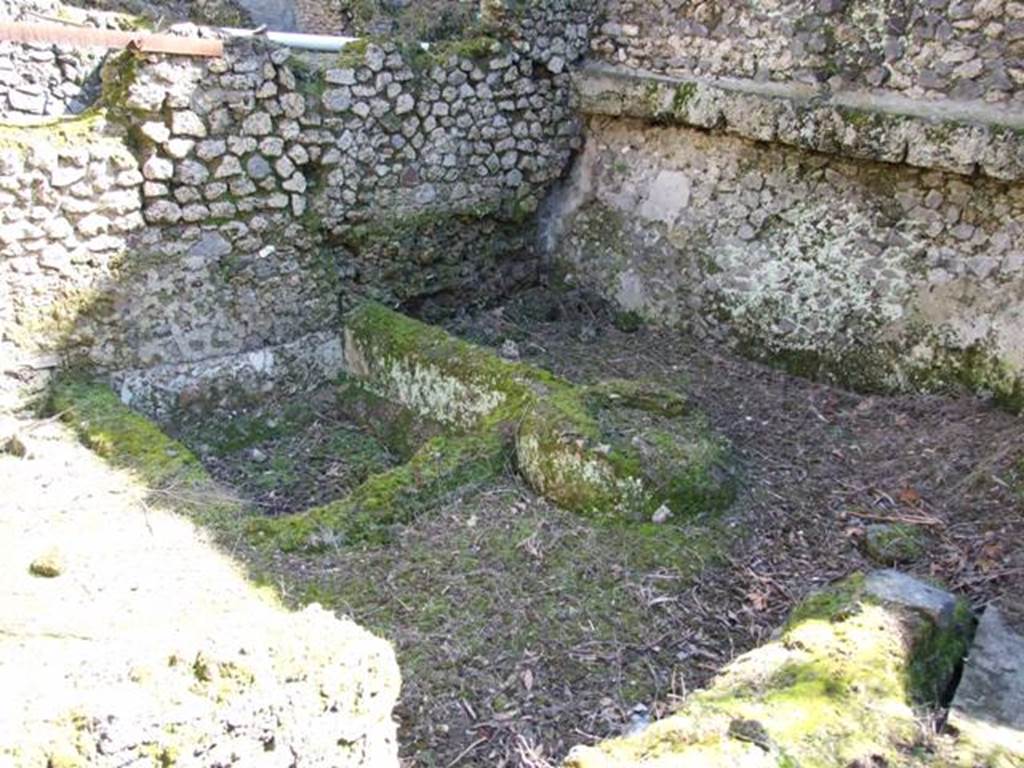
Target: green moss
x: 370, y: 513
x: 977, y: 368
x: 133, y: 442
x: 566, y: 447
x: 681, y: 99
x: 895, y: 543
x: 628, y: 321
x: 354, y: 54
x: 836, y: 689
x: 123, y: 437
x: 830, y: 604
x: 479, y: 48
x: 636, y: 394
x: 937, y: 655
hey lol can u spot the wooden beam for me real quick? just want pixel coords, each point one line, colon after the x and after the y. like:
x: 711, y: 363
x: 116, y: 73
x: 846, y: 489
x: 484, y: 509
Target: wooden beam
x: 20, y: 32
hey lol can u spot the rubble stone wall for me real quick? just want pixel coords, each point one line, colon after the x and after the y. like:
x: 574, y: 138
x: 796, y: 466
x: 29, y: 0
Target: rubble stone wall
x: 881, y: 276
x: 209, y: 220
x: 41, y: 79
x: 936, y: 50
x: 833, y: 186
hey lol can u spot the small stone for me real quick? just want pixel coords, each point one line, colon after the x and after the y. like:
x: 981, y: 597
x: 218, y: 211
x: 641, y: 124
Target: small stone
x: 661, y: 515
x: 297, y: 183
x: 340, y: 76
x: 293, y: 104
x: 163, y: 211
x: 337, y: 99
x: 257, y: 455
x: 158, y: 169
x: 258, y: 167
x: 892, y: 544
x: 510, y: 350
x: 155, y: 131
x: 284, y: 167
x: 179, y: 148
x: 405, y: 103
x: 272, y: 146
x: 257, y: 124
x: 900, y: 589
x: 187, y: 123
x: 210, y: 246
x: 13, y: 446
x: 211, y: 149
x: 192, y: 173
x: 229, y: 166
x: 48, y: 566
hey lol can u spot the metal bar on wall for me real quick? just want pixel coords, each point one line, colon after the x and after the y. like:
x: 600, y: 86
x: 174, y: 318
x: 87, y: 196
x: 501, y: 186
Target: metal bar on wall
x: 21, y: 32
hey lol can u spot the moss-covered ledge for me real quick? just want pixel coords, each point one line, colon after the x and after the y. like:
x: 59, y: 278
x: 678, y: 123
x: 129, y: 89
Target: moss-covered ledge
x: 840, y: 687
x: 614, y: 451
x: 132, y: 442
x: 964, y: 139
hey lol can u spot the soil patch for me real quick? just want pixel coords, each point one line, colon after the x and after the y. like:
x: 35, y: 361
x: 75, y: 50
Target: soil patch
x: 286, y: 455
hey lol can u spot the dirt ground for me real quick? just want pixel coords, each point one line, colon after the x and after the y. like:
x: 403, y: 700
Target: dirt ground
x: 523, y: 630
x: 127, y: 638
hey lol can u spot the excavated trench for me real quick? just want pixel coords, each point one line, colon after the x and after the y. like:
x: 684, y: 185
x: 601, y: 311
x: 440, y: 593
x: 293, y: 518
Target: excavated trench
x: 530, y: 617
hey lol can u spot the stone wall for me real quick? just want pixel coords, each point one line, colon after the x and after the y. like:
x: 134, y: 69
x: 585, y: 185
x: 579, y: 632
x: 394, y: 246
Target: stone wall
x: 832, y: 186
x: 879, y: 275
x: 958, y: 49
x: 211, y: 220
x: 43, y: 79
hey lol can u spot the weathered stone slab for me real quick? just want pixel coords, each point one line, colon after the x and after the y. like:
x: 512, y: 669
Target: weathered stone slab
x: 988, y: 709
x: 903, y: 590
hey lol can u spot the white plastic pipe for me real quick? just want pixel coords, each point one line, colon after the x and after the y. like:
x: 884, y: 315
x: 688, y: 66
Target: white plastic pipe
x: 328, y: 43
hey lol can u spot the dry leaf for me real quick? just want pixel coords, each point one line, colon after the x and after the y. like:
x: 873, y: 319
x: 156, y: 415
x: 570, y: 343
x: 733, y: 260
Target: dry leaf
x: 526, y: 676
x: 910, y: 497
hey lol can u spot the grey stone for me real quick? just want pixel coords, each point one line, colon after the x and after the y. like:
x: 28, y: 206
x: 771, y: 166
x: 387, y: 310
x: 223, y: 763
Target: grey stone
x: 210, y: 149
x: 258, y: 167
x: 30, y: 103
x: 65, y: 177
x: 284, y: 167
x: 297, y: 183
x: 157, y: 169
x: 989, y: 702
x: 229, y: 166
x: 163, y: 211
x: 192, y: 172
x: 340, y: 76
x: 155, y: 131
x: 272, y: 146
x: 257, y: 124
x: 187, y: 123
x: 404, y: 104
x: 293, y: 104
x: 337, y: 99
x: 906, y: 591
x: 212, y: 245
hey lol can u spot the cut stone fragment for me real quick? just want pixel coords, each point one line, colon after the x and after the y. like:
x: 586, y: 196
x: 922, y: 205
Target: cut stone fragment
x: 901, y: 589
x: 988, y: 709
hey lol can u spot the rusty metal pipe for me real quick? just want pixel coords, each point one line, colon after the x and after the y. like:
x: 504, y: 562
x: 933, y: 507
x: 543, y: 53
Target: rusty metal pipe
x: 21, y: 32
